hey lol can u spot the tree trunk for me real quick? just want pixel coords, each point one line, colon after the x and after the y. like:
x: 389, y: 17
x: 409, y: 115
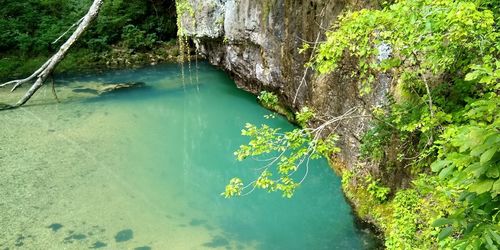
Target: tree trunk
x: 48, y: 67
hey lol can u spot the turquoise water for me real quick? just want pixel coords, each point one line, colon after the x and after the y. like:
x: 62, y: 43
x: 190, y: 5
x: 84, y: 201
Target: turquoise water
x: 145, y: 168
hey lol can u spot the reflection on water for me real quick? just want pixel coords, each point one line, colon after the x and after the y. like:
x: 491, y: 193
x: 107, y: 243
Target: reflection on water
x: 144, y: 169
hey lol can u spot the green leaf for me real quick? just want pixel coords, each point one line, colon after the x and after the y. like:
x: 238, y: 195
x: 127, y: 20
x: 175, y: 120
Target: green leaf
x: 477, y: 169
x: 472, y: 76
x: 441, y: 222
x: 481, y: 186
x: 496, y: 186
x: 488, y: 240
x: 493, y: 172
x: 486, y: 156
x: 438, y: 165
x: 445, y: 233
x: 495, y: 236
x: 446, y: 172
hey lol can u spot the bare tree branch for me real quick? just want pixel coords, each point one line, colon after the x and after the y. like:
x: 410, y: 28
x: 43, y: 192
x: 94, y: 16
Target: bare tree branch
x: 316, y: 42
x: 48, y: 67
x: 73, y: 25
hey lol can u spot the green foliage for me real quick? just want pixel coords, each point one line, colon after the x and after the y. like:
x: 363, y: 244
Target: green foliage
x: 404, y: 228
x: 234, y: 188
x: 376, y: 190
x: 135, y: 38
x: 407, y: 219
x: 437, y: 37
x: 304, y: 116
x: 31, y: 26
x: 271, y: 101
x: 268, y: 99
x: 376, y: 139
x: 182, y: 7
x: 154, y: 18
x: 98, y: 44
x: 443, y: 113
x: 305, y: 47
x: 469, y: 157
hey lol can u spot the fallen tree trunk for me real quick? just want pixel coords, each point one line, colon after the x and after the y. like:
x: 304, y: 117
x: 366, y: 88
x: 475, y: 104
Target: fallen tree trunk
x: 48, y: 67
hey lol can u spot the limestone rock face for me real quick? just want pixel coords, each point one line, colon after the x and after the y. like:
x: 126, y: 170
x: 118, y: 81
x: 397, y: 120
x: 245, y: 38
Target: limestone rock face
x: 258, y: 41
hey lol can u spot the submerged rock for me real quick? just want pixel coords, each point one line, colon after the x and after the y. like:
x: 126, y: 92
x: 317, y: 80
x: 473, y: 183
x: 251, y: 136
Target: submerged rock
x: 120, y: 86
x: 124, y: 235
x: 86, y: 90
x: 197, y: 222
x: 143, y: 248
x: 55, y: 226
x: 105, y: 88
x: 72, y: 237
x: 98, y: 244
x: 217, y: 241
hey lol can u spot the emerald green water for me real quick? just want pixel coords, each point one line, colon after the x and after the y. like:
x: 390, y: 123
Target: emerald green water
x: 145, y: 168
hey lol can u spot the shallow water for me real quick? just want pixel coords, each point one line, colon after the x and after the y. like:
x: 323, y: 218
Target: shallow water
x: 144, y: 169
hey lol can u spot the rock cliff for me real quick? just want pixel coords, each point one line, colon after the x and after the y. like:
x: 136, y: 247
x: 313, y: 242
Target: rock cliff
x: 258, y: 41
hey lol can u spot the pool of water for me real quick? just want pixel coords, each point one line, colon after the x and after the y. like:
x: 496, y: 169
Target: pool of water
x: 144, y: 169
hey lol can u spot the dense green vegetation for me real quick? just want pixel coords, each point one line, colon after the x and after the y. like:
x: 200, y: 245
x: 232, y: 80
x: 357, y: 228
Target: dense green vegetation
x: 29, y: 29
x: 442, y: 117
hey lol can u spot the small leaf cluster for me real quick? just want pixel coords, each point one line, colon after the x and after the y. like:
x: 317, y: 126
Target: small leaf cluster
x: 234, y: 188
x: 304, y: 116
x: 376, y: 190
x: 286, y: 152
x: 268, y: 99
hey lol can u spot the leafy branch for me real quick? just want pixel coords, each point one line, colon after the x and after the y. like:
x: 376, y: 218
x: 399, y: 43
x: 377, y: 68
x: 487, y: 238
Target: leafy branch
x: 289, y: 152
